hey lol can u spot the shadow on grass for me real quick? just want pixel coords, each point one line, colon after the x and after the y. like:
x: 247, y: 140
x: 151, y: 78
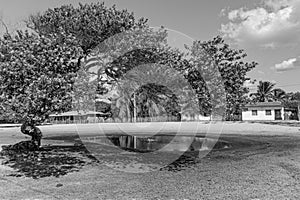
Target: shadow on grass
x: 50, y: 161
x: 185, y: 161
x: 279, y: 122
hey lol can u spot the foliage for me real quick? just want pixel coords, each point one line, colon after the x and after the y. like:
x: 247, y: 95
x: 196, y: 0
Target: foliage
x: 83, y: 95
x: 280, y: 95
x: 158, y: 90
x: 138, y: 49
x: 264, y: 93
x: 215, y: 53
x: 295, y: 96
x: 292, y: 100
x: 38, y: 70
x: 90, y: 24
x: 36, y: 75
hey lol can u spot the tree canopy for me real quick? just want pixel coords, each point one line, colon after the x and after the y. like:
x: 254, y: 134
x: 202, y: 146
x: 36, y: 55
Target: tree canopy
x: 205, y: 55
x: 264, y: 93
x: 38, y: 69
x: 89, y: 24
x: 36, y: 75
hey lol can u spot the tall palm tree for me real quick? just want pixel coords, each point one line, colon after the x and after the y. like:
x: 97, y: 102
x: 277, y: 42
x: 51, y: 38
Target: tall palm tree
x: 265, y: 92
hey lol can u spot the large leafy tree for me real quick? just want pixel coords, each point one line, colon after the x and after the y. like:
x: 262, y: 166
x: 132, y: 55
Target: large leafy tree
x: 36, y: 75
x: 233, y: 70
x: 38, y: 69
x: 90, y: 24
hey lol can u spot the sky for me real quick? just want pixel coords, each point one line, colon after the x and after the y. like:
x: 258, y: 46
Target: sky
x: 268, y: 31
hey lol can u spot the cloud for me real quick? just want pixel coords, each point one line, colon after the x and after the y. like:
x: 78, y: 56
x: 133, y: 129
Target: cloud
x: 287, y: 65
x: 276, y: 22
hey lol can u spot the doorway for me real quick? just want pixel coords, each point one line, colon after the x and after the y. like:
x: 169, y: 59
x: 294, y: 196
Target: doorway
x: 278, y: 114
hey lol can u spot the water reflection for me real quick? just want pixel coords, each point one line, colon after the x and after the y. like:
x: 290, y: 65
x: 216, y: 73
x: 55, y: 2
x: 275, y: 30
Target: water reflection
x: 161, y: 142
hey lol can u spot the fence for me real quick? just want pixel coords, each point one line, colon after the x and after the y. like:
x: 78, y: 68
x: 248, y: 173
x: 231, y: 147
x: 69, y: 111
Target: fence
x: 116, y: 120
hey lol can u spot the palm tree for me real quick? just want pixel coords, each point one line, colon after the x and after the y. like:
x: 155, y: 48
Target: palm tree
x: 147, y: 92
x: 154, y: 100
x: 124, y: 102
x: 265, y: 92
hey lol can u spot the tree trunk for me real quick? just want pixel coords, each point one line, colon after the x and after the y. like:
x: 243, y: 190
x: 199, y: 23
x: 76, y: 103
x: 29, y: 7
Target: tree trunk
x: 29, y: 128
x: 134, y: 108
x: 298, y: 111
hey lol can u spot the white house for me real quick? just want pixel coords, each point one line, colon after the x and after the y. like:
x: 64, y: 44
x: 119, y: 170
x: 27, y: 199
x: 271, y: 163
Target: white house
x: 193, y: 115
x: 264, y: 111
x: 76, y: 117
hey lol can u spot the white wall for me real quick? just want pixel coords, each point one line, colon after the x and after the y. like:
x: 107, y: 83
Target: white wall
x: 188, y: 117
x: 261, y: 114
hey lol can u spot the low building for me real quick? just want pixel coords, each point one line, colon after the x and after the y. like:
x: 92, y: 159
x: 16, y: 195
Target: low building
x: 266, y: 111
x: 76, y: 117
x: 192, y: 115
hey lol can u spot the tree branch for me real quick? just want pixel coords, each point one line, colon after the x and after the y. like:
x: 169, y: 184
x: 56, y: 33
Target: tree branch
x: 5, y: 26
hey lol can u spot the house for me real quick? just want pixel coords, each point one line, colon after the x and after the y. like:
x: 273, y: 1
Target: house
x: 76, y: 117
x: 192, y: 115
x: 266, y: 111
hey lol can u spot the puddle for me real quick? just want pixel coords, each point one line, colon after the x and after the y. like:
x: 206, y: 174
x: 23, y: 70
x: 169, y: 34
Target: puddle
x: 140, y: 153
x: 122, y: 152
x: 165, y: 143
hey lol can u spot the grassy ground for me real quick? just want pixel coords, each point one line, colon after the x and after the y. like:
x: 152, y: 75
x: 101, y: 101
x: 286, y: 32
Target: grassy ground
x: 260, y: 165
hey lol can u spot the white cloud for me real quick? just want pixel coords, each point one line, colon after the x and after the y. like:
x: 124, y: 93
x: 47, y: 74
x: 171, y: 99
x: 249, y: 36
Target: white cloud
x: 276, y: 22
x: 287, y: 65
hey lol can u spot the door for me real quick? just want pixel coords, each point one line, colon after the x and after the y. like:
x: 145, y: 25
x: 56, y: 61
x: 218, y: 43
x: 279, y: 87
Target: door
x: 278, y: 114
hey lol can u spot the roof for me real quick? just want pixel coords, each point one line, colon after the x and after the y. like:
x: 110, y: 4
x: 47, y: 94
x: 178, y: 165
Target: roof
x: 77, y: 113
x: 265, y: 104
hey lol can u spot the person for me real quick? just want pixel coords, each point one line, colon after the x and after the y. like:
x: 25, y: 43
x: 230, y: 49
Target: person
x: 28, y: 128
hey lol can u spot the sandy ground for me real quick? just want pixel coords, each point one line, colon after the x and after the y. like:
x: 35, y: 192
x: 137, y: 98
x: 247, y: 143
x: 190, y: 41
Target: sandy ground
x: 263, y: 163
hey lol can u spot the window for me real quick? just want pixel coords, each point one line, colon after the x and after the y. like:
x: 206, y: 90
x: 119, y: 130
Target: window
x: 268, y: 112
x: 254, y: 112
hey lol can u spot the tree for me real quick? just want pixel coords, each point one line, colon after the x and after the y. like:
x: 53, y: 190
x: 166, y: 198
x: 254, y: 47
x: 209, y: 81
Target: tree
x: 280, y: 95
x: 205, y: 55
x: 38, y: 70
x: 292, y: 100
x: 152, y: 90
x: 265, y: 92
x: 84, y: 88
x: 36, y: 75
x: 89, y: 24
x: 3, y: 24
x: 130, y: 50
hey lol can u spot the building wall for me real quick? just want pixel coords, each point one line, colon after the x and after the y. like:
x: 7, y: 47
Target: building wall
x: 261, y: 114
x: 191, y: 117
